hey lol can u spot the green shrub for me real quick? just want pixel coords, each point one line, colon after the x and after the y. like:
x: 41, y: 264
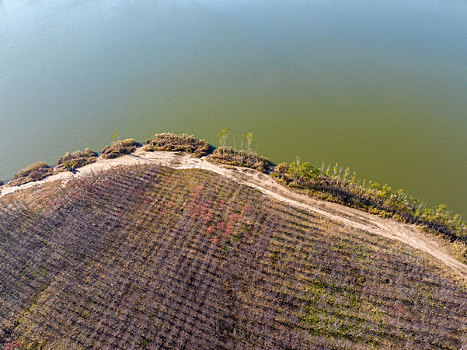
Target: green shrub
x: 178, y: 143
x: 33, y: 172
x: 119, y: 148
x: 302, y: 171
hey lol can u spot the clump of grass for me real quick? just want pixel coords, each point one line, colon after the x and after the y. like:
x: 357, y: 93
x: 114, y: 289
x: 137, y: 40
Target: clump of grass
x: 229, y: 156
x: 33, y: 172
x: 120, y: 148
x: 178, y: 143
x: 71, y: 161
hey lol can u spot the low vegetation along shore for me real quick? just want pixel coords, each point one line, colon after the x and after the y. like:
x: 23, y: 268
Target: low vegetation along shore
x: 332, y: 183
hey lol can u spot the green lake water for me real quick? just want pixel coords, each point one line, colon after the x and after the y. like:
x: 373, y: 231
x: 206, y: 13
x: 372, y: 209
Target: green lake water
x: 377, y: 85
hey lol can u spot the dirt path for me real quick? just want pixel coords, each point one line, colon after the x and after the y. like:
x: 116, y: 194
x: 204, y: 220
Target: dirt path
x: 388, y: 228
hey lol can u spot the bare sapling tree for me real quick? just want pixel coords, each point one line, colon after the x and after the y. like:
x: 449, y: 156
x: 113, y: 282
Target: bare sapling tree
x: 222, y: 138
x: 249, y: 141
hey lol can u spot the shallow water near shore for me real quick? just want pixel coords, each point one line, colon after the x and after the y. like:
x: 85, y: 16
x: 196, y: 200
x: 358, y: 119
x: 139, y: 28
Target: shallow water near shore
x: 377, y: 86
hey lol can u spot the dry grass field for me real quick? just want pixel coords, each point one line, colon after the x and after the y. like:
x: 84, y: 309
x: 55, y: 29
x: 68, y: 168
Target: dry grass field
x: 157, y: 258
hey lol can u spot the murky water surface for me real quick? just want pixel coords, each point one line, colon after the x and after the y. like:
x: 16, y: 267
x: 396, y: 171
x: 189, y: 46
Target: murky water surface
x: 377, y: 85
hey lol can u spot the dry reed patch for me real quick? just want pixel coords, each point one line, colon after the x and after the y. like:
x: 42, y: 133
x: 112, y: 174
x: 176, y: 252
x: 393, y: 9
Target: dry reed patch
x: 33, y: 172
x: 178, y: 143
x: 119, y: 148
x: 77, y: 159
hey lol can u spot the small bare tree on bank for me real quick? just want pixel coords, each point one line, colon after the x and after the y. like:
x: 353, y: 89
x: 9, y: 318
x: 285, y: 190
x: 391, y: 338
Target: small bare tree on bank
x: 222, y: 137
x: 249, y: 141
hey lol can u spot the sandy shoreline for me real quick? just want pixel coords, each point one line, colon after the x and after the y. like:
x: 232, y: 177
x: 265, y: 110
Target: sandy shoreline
x: 408, y: 234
